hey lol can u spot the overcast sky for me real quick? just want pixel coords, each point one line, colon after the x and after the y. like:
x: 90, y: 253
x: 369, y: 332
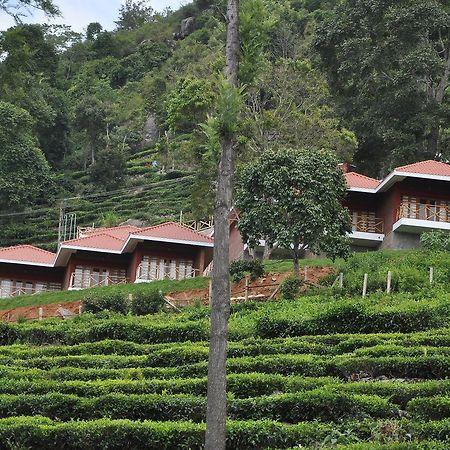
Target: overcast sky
x: 79, y: 13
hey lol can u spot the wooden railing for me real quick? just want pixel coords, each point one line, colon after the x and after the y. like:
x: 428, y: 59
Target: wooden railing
x: 95, y: 281
x: 421, y: 211
x: 16, y: 292
x: 165, y: 273
x: 198, y: 225
x: 368, y: 225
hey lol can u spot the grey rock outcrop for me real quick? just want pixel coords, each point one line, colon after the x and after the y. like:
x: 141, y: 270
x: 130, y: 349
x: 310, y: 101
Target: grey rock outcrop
x: 151, y: 133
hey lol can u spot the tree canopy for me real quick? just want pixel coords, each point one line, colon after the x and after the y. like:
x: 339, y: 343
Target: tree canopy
x: 292, y: 197
x: 24, y: 172
x: 388, y: 63
x: 20, y: 8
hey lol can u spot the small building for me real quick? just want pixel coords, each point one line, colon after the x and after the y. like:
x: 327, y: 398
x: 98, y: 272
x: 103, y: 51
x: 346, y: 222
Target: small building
x: 392, y: 213
x: 107, y: 256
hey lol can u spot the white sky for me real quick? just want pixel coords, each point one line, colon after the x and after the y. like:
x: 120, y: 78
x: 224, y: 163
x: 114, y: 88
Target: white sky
x: 79, y: 13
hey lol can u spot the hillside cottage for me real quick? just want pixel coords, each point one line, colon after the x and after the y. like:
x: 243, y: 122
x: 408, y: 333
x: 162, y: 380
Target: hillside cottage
x: 388, y: 213
x: 392, y: 213
x: 106, y: 256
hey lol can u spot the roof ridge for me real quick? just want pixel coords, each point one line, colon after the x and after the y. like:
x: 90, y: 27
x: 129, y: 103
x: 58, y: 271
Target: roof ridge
x: 91, y: 237
x: 27, y: 246
x: 113, y: 228
x: 421, y: 162
x: 361, y: 175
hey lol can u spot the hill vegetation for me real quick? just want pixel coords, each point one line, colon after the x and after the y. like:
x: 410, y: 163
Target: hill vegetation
x: 327, y: 370
x: 108, y: 110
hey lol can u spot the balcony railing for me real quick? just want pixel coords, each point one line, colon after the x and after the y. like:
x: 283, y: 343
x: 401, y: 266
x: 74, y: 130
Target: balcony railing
x: 368, y: 225
x: 145, y: 274
x: 94, y: 280
x: 422, y: 211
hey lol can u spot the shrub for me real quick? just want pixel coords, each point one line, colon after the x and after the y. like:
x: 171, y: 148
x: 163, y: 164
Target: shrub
x: 112, y: 301
x: 436, y: 241
x: 239, y: 269
x: 147, y: 302
x: 290, y: 287
x: 432, y: 408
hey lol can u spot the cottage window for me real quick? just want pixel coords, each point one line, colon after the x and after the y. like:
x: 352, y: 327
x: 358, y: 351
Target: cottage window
x: 154, y: 268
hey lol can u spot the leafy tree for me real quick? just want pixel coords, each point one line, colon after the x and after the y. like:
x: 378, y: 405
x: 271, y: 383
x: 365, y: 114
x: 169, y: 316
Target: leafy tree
x: 436, y: 241
x: 27, y: 51
x: 290, y: 105
x: 188, y: 104
x: 90, y: 116
x: 133, y: 14
x: 24, y: 172
x: 105, y: 44
x: 28, y: 79
x: 388, y: 63
x: 293, y: 198
x: 20, y: 8
x: 93, y: 30
x: 108, y: 170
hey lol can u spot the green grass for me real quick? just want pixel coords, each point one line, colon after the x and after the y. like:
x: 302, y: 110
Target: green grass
x: 287, y: 265
x: 47, y: 298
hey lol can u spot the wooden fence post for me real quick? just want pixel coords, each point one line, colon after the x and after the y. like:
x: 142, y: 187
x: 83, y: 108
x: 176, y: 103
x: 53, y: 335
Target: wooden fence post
x: 80, y: 308
x: 306, y: 273
x: 366, y: 278
x: 431, y: 275
x: 341, y: 280
x: 389, y: 282
x: 41, y: 312
x: 210, y: 290
x: 246, y: 288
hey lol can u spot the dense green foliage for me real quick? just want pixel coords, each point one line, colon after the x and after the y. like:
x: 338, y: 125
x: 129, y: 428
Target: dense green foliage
x: 110, y: 109
x: 388, y: 64
x: 144, y: 102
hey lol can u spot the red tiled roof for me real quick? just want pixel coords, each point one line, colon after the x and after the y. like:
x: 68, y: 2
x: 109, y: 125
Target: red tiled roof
x: 104, y: 241
x: 174, y: 231
x: 357, y: 180
x: 27, y: 253
x: 429, y: 167
x: 119, y: 232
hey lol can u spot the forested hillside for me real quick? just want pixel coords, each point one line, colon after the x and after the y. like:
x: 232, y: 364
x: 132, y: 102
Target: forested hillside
x: 106, y: 114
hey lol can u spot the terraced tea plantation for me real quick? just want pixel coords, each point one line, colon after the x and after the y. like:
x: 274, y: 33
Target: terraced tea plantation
x: 150, y: 196
x: 327, y: 370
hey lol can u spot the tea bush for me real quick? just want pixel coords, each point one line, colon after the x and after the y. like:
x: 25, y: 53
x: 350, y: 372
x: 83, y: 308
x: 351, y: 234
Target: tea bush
x: 111, y: 301
x: 290, y: 288
x: 147, y: 302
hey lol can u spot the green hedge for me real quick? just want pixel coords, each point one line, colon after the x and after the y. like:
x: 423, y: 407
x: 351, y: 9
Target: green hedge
x: 45, y: 434
x: 116, y: 329
x: 433, y: 408
x: 352, y: 317
x: 290, y: 408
